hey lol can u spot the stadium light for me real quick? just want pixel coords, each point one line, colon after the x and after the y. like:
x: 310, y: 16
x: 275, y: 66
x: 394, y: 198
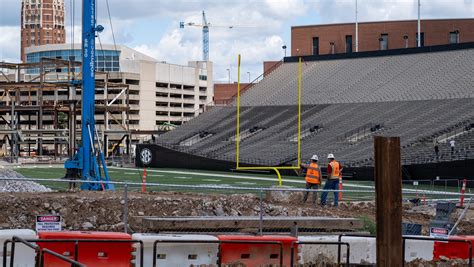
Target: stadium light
x: 228, y: 74
x: 284, y: 48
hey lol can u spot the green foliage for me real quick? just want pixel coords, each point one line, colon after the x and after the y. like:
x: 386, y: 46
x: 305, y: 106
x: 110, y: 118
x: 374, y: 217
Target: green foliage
x: 62, y: 120
x: 369, y: 225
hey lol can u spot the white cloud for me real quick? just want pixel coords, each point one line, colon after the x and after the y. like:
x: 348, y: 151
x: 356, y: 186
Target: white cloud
x: 152, y: 27
x: 9, y: 44
x: 286, y: 8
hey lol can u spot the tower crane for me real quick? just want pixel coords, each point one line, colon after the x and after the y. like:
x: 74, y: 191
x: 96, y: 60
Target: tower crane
x: 85, y: 162
x: 205, y: 25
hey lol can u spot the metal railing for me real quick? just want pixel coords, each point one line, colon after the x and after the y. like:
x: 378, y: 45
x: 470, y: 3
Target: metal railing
x: 404, y: 238
x: 39, y: 261
x: 76, y: 242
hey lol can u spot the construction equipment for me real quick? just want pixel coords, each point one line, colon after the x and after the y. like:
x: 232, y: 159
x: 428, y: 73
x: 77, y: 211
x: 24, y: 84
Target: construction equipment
x: 205, y: 25
x: 84, y: 163
x: 205, y: 34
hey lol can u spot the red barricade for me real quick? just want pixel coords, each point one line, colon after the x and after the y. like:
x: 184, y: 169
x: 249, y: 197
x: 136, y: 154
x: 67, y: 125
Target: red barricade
x: 252, y: 254
x: 96, y: 254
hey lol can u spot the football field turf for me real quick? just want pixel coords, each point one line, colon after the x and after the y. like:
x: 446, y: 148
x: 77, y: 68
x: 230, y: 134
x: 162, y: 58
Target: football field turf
x: 212, y: 179
x: 180, y: 176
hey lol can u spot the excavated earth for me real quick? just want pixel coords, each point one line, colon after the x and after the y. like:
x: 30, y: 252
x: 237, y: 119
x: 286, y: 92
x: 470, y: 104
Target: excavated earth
x: 105, y: 210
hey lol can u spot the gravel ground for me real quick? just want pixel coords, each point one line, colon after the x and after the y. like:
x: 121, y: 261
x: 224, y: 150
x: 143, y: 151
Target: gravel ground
x: 18, y: 186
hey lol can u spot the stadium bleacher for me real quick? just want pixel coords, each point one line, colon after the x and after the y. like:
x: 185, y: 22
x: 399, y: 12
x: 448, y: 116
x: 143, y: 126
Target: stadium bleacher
x: 345, y: 102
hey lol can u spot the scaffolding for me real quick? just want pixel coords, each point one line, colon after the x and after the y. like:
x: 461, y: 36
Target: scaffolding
x: 40, y: 110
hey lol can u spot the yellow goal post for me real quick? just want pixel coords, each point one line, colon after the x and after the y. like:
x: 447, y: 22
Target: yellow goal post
x: 237, y: 136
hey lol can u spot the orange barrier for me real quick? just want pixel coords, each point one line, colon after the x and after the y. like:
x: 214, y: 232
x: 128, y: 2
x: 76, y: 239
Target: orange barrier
x: 144, y: 180
x: 463, y: 191
x: 97, y: 254
x: 255, y: 254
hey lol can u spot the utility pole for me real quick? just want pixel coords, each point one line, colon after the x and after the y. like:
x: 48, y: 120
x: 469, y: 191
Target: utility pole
x: 388, y: 190
x: 419, y: 25
x: 357, y: 28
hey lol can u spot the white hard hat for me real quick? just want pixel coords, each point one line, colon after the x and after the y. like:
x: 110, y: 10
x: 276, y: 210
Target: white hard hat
x: 314, y: 157
x: 330, y: 156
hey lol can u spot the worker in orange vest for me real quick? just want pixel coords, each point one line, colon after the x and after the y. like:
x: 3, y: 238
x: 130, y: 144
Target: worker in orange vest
x: 334, y: 173
x: 313, y: 178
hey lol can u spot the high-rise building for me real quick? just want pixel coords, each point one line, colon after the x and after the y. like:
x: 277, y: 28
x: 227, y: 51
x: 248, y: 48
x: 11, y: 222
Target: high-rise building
x: 42, y: 22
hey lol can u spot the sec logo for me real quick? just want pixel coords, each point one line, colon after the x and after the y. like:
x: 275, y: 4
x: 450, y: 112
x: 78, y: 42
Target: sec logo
x: 145, y: 156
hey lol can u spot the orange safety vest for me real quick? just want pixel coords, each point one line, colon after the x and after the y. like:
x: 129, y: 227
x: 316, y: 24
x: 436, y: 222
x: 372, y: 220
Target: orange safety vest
x: 312, y: 174
x: 336, y: 170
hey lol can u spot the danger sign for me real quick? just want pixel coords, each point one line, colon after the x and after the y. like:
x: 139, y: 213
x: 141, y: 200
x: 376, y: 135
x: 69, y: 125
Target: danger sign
x: 439, y: 232
x: 48, y: 223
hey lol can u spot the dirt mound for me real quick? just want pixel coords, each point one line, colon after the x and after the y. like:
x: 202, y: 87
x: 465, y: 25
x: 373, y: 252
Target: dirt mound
x: 105, y: 210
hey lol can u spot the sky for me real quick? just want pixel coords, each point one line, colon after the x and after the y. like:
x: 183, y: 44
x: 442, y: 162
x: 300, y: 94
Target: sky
x: 261, y: 27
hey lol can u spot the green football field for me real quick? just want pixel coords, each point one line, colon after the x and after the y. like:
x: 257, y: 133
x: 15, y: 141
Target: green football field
x: 170, y: 176
x: 212, y: 179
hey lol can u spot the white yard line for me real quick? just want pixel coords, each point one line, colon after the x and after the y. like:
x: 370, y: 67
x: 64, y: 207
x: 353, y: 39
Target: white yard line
x: 211, y: 180
x: 245, y: 183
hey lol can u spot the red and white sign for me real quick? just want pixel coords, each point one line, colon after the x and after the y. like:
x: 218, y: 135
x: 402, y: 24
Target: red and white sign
x: 439, y: 232
x: 48, y: 223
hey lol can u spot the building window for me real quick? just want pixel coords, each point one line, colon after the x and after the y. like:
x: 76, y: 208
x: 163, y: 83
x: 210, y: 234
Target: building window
x: 422, y: 39
x: 203, y: 77
x: 348, y: 43
x: 315, y: 46
x: 454, y: 37
x: 383, y: 41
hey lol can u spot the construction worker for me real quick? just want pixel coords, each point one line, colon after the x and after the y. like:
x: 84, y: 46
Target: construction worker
x: 332, y: 183
x: 312, y: 178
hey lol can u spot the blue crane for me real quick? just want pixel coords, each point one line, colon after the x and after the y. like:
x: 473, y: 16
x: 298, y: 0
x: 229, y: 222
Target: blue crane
x: 205, y: 34
x: 85, y: 162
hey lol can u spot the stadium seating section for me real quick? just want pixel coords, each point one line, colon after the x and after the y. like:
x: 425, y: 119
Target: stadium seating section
x: 345, y: 102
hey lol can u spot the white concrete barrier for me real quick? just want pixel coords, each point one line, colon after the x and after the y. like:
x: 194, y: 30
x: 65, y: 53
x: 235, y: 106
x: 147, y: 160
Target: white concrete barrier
x: 178, y: 254
x: 419, y: 249
x: 362, y: 249
x: 24, y: 256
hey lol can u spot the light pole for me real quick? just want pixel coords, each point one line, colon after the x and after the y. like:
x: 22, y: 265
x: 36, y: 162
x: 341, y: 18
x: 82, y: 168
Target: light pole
x: 418, y: 44
x: 248, y: 72
x: 357, y: 27
x: 228, y: 74
x: 284, y: 48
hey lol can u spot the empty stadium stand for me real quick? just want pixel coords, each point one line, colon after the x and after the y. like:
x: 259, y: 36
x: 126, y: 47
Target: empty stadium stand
x: 419, y: 95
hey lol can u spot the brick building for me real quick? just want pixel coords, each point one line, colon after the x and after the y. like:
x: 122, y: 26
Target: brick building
x: 340, y: 38
x: 42, y: 22
x: 224, y: 93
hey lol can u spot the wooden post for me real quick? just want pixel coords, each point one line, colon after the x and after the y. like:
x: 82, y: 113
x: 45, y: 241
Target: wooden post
x: 388, y: 188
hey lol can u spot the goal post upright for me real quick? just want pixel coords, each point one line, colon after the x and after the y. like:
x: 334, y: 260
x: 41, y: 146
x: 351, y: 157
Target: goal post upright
x: 237, y: 136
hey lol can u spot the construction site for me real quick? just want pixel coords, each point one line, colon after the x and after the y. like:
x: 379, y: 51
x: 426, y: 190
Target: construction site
x: 361, y: 156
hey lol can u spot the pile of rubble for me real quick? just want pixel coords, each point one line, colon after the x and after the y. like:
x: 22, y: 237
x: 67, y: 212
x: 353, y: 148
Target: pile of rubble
x: 18, y: 186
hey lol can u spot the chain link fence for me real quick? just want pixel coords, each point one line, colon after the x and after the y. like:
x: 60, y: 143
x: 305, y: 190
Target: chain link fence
x: 227, y: 210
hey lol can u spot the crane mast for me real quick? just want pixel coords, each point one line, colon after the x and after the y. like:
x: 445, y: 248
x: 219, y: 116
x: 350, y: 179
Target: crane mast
x: 85, y: 161
x: 205, y: 38
x: 88, y: 82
